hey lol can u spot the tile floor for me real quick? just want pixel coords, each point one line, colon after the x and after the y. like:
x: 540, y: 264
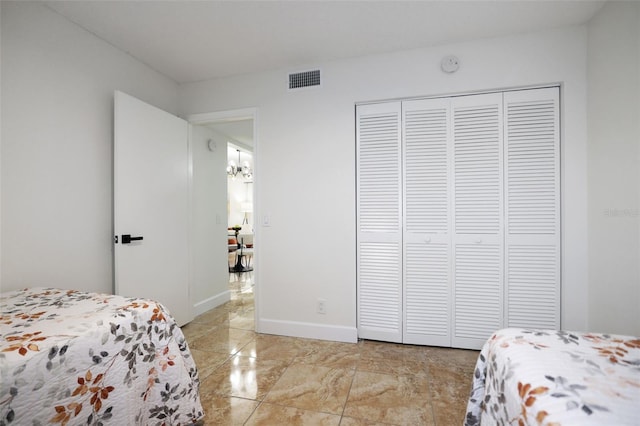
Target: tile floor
x: 257, y: 379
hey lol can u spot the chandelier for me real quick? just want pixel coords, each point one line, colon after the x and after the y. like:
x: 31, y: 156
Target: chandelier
x: 243, y: 168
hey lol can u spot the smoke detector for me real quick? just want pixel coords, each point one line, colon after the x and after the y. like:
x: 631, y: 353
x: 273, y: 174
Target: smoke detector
x: 450, y: 64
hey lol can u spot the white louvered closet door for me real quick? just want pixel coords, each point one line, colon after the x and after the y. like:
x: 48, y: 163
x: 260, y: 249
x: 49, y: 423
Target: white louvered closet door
x: 426, y: 237
x: 532, y: 189
x: 379, y: 232
x: 478, y: 246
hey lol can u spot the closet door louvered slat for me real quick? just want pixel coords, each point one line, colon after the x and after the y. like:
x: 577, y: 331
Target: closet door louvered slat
x: 427, y: 246
x: 477, y: 218
x: 379, y: 189
x: 532, y: 208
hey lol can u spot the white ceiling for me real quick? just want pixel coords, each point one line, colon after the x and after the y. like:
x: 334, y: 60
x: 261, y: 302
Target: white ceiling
x: 191, y: 41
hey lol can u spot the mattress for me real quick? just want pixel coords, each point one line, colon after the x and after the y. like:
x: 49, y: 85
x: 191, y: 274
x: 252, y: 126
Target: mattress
x: 546, y: 377
x: 70, y: 357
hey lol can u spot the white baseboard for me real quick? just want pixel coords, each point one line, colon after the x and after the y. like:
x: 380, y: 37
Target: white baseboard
x: 308, y: 330
x: 211, y: 302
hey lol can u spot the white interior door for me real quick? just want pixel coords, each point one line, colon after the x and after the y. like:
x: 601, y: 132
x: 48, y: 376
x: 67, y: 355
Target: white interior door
x: 532, y: 190
x: 151, y: 185
x: 427, y: 229
x: 379, y: 247
x: 477, y: 218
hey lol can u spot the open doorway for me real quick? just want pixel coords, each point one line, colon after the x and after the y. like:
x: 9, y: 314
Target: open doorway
x: 231, y: 136
x: 240, y: 218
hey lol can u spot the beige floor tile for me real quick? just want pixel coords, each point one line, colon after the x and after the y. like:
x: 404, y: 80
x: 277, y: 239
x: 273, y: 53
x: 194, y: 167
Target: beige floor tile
x: 404, y: 366
x: 350, y: 421
x: 329, y: 354
x: 206, y: 362
x: 391, y: 399
x: 194, y: 330
x: 267, y: 346
x: 450, y: 356
x: 371, y: 349
x: 449, y: 413
x: 272, y: 415
x: 241, y: 281
x: 213, y: 317
x: 227, y: 411
x: 312, y: 387
x: 227, y: 340
x: 443, y: 371
x: 244, y: 377
x: 449, y: 390
x: 243, y: 321
x: 240, y: 302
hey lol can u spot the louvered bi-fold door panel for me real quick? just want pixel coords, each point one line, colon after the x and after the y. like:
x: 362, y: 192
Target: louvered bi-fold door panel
x: 532, y: 181
x: 427, y: 245
x: 477, y: 186
x: 379, y: 236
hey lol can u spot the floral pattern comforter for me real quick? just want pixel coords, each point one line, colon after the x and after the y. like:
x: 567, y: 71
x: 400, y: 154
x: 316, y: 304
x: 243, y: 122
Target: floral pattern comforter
x: 68, y: 357
x: 537, y: 377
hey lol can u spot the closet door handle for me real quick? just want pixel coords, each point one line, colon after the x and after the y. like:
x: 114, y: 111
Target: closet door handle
x: 427, y: 240
x: 479, y: 240
x: 127, y: 238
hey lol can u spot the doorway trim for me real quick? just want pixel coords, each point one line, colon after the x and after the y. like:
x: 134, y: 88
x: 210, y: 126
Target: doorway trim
x: 222, y: 117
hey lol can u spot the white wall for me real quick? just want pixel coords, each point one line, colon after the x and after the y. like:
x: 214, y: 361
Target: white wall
x: 614, y: 175
x: 311, y: 135
x: 57, y: 117
x: 209, y: 236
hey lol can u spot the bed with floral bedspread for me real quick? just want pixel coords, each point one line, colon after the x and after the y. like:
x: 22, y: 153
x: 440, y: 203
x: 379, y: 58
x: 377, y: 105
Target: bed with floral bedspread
x: 68, y: 357
x: 559, y: 378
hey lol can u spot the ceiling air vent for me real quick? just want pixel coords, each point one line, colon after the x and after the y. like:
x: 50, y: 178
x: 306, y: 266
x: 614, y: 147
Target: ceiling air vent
x: 299, y: 80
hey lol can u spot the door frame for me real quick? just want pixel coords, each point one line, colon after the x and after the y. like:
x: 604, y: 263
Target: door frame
x: 221, y: 117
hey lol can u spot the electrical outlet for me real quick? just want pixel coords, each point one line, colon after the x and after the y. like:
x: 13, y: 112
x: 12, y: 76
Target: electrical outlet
x: 322, y: 306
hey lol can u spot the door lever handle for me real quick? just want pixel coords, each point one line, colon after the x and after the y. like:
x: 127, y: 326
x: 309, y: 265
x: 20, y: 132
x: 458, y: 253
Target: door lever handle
x: 127, y: 238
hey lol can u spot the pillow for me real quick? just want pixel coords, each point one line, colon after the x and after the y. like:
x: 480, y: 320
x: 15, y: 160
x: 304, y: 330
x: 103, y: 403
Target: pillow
x: 233, y: 241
